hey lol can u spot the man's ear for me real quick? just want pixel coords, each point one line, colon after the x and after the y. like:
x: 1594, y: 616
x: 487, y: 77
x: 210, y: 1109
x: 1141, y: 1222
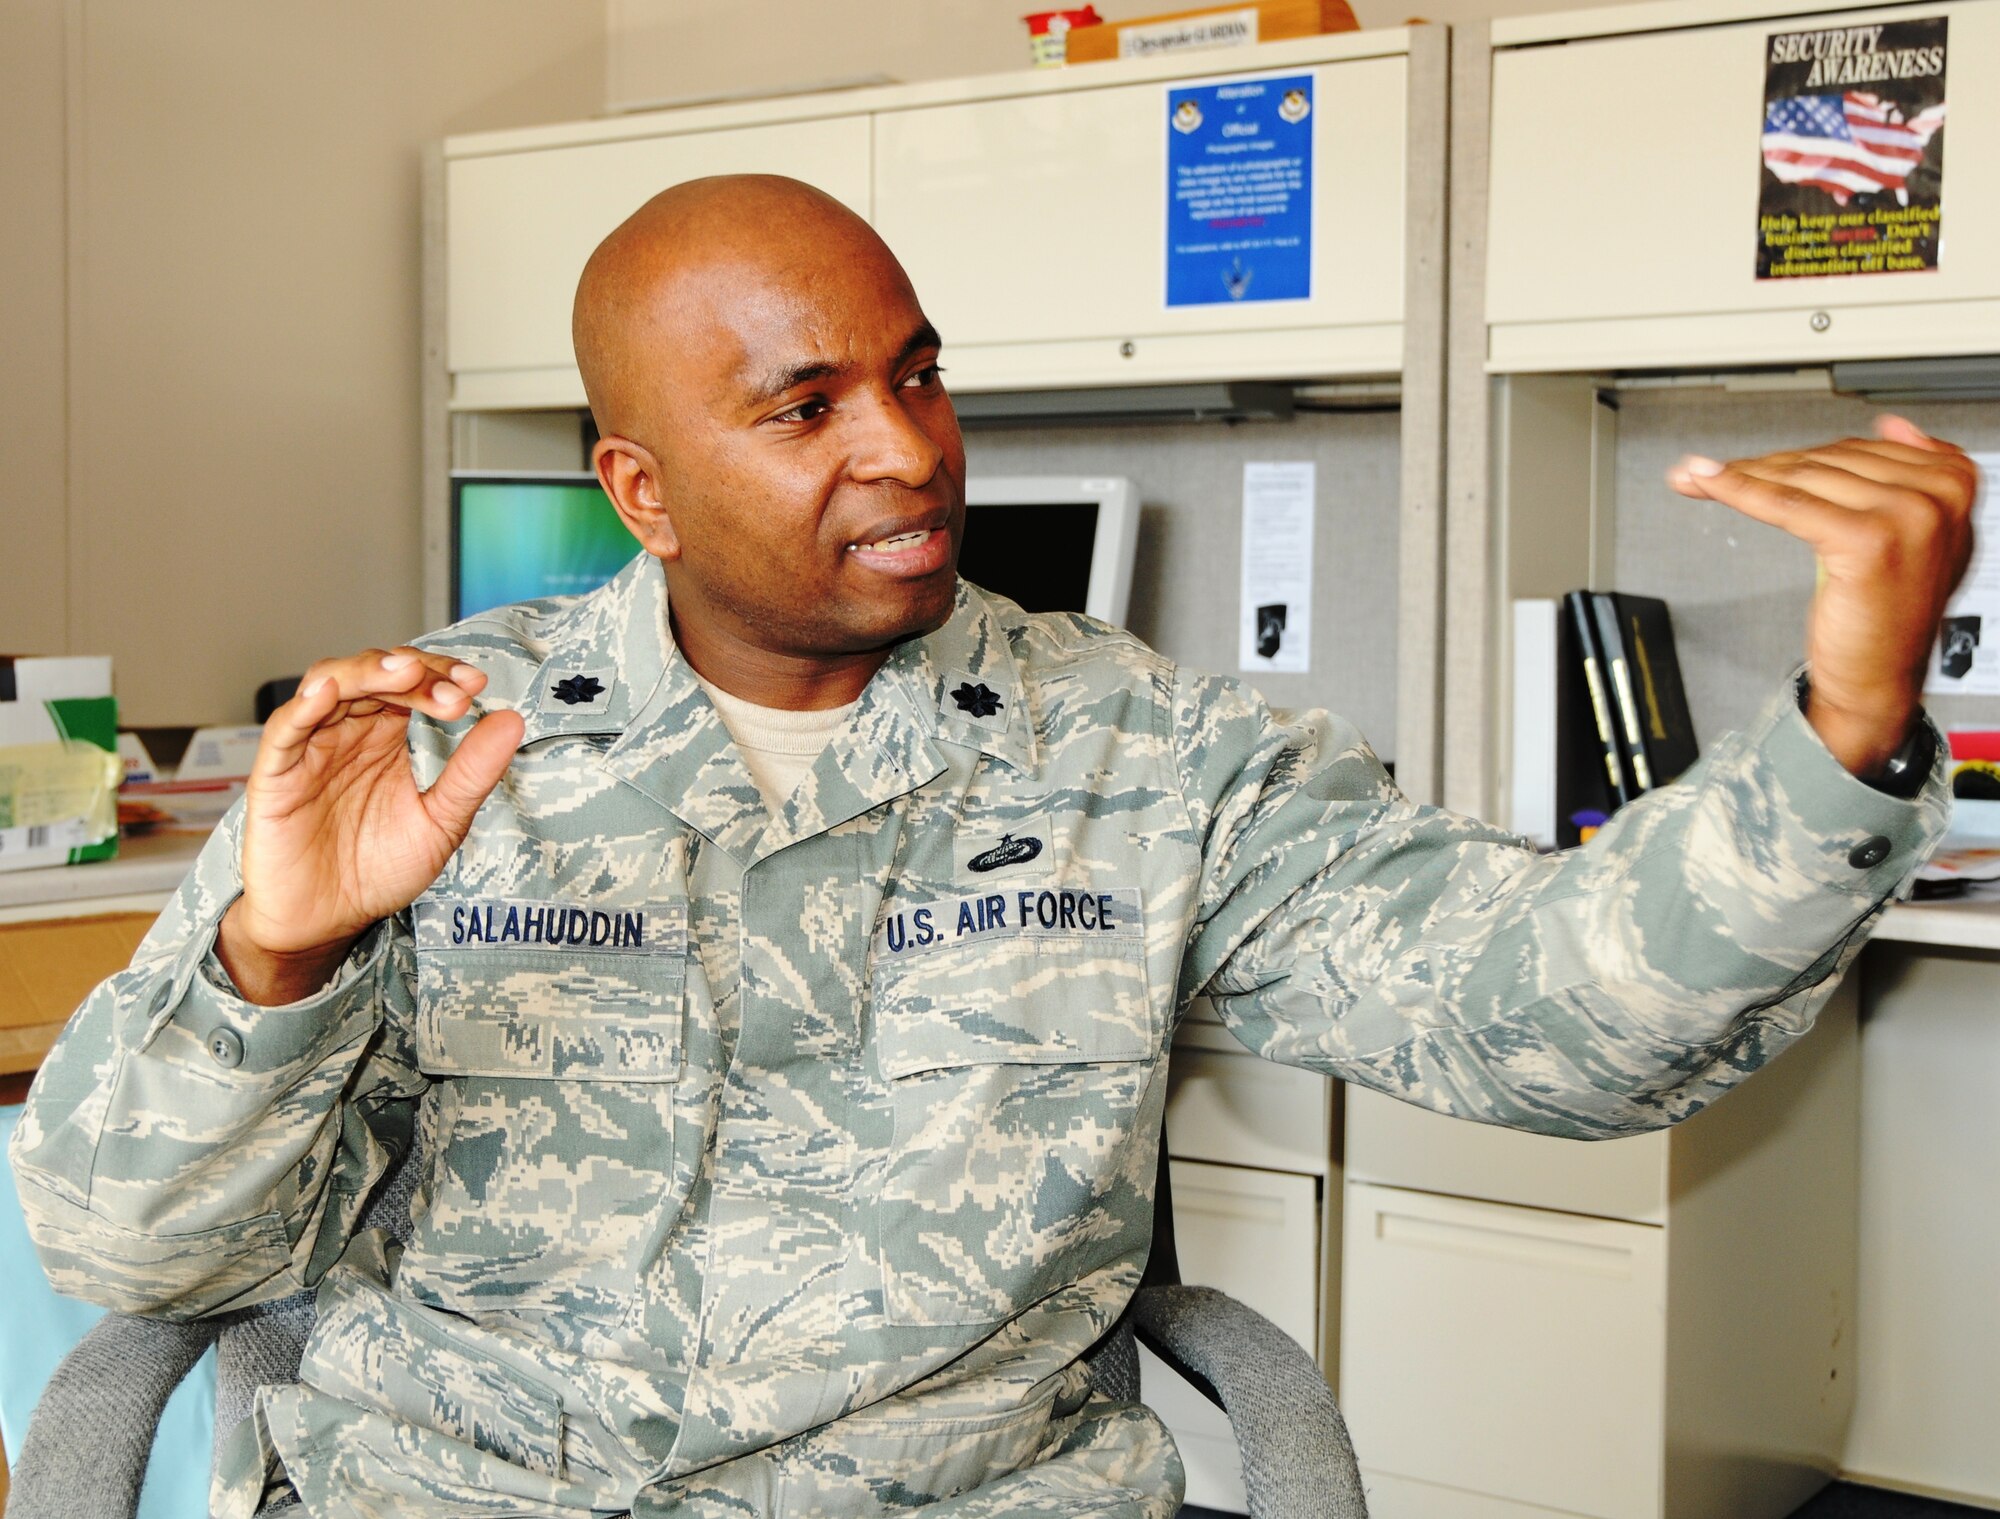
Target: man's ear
x: 631, y: 477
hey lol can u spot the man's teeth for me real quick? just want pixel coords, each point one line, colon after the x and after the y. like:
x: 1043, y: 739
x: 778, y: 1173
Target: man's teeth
x: 893, y: 545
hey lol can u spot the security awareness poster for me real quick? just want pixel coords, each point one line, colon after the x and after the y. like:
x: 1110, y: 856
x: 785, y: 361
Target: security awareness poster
x: 1853, y: 177
x: 1239, y: 191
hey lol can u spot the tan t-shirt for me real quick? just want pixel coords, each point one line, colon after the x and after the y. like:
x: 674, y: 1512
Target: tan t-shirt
x: 777, y: 744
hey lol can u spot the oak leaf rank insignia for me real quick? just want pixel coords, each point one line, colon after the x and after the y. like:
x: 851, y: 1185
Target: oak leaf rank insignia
x: 977, y: 700
x: 577, y: 690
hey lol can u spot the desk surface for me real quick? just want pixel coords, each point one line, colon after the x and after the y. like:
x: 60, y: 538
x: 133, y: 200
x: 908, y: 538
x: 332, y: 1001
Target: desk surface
x: 1968, y: 922
x: 144, y: 875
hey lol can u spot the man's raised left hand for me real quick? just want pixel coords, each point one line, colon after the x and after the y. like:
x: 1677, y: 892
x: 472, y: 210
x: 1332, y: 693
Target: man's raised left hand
x: 1891, y: 521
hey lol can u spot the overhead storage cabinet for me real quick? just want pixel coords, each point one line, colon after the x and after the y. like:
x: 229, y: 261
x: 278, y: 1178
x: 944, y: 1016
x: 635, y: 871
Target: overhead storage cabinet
x: 1030, y: 210
x: 522, y: 216
x: 1626, y: 161
x: 1034, y: 226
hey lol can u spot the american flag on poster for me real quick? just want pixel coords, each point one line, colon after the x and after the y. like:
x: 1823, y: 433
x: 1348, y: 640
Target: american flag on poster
x: 1850, y: 144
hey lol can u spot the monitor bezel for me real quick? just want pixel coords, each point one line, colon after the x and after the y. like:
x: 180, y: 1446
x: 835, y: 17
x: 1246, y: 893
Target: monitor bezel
x: 1113, y: 549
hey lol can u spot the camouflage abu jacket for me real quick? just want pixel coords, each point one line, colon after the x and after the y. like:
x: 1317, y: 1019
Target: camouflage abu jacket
x: 787, y: 1164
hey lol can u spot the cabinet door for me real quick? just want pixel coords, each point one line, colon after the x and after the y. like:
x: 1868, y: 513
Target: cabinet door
x: 1035, y: 227
x: 1503, y: 1351
x: 1226, y: 1105
x: 1255, y: 1236
x: 1623, y: 219
x: 1397, y: 1144
x: 519, y: 227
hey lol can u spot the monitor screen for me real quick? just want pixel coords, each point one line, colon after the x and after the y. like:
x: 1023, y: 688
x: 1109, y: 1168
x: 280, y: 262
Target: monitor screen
x: 1052, y: 544
x: 1037, y: 553
x: 522, y: 537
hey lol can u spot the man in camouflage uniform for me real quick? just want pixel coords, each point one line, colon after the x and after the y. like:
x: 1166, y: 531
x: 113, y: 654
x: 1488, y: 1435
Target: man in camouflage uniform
x: 784, y: 1154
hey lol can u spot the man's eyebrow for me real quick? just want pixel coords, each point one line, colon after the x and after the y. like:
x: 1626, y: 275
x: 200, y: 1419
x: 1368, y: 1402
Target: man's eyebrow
x: 924, y: 337
x: 778, y: 381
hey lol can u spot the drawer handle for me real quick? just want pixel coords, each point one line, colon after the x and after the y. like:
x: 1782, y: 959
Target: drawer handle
x: 1502, y: 1244
x: 1214, y: 1202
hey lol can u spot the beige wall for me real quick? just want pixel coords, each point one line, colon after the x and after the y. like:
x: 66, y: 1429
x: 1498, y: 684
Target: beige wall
x: 33, y: 606
x: 673, y: 50
x: 222, y: 197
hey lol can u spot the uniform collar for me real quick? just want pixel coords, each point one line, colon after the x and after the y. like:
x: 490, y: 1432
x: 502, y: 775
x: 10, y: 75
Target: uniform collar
x: 960, y: 685
x: 965, y: 684
x: 605, y: 659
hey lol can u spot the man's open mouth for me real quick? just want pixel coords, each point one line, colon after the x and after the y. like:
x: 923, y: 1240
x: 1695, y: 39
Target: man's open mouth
x: 900, y: 543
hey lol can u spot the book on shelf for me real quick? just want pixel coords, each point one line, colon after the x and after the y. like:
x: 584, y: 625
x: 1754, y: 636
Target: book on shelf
x: 1557, y: 771
x: 1581, y: 611
x: 1655, y: 729
x: 1599, y: 711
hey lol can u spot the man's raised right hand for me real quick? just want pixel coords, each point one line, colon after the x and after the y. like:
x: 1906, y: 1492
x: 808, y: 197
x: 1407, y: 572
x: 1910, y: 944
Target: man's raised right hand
x: 336, y: 835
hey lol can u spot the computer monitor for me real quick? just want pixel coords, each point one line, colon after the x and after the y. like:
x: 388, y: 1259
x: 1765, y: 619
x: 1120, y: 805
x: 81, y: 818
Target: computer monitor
x: 1052, y: 543
x: 520, y: 537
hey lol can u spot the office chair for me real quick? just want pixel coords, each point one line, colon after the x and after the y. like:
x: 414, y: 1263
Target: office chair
x: 91, y: 1434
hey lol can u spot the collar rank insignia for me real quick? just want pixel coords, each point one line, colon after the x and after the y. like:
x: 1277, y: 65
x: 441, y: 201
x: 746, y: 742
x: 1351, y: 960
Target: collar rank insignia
x: 968, y: 699
x: 977, y: 700
x: 577, y: 690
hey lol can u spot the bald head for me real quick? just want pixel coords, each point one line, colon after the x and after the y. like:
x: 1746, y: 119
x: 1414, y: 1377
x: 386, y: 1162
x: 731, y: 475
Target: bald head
x: 774, y: 428
x: 690, y: 258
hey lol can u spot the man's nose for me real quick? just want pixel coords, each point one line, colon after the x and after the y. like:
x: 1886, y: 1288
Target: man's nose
x: 892, y: 445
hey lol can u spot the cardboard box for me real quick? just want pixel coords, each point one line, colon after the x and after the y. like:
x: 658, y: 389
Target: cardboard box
x: 59, y: 765
x: 1214, y: 26
x: 48, y: 968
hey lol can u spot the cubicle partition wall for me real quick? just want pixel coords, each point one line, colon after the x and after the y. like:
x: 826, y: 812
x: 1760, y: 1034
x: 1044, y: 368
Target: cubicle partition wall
x: 1031, y: 211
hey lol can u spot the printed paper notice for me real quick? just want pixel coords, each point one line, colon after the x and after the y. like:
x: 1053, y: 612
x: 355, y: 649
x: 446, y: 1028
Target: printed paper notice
x: 1967, y: 658
x: 1853, y: 179
x: 1277, y: 567
x: 1239, y: 191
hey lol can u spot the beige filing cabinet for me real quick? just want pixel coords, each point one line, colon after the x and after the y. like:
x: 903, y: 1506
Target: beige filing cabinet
x: 1625, y: 163
x: 1030, y: 210
x: 1256, y: 1214
x: 1657, y: 1327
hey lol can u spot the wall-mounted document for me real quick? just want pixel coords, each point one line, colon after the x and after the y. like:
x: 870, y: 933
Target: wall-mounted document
x: 1239, y: 191
x: 1966, y: 660
x: 1277, y: 567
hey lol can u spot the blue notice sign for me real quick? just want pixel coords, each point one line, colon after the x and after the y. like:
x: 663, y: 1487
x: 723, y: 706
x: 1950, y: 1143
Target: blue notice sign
x: 1239, y: 191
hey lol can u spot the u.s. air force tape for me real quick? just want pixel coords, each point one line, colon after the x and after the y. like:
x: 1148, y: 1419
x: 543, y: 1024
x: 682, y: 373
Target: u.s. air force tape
x: 444, y: 923
x: 1020, y: 913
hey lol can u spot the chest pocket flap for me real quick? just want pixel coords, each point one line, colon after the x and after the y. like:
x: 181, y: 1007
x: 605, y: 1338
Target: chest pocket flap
x: 966, y: 982
x: 513, y: 988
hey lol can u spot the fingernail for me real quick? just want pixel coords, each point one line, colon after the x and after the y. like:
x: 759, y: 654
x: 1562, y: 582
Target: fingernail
x: 1697, y: 464
x: 396, y: 661
x: 463, y: 673
x: 313, y: 688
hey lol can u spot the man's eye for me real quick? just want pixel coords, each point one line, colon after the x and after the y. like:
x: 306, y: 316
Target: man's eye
x: 805, y: 411
x: 926, y: 378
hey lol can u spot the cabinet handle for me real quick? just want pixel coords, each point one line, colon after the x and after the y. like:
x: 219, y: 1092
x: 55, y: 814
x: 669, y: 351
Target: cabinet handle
x: 1214, y: 1202
x: 1497, y: 1243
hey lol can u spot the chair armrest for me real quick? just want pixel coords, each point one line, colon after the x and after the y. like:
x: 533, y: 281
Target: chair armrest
x: 1297, y: 1461
x: 91, y: 1434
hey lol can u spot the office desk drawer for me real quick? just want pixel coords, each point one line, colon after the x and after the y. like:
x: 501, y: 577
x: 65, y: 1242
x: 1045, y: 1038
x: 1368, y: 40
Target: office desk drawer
x: 1397, y: 1145
x: 1505, y: 1351
x: 1241, y: 1110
